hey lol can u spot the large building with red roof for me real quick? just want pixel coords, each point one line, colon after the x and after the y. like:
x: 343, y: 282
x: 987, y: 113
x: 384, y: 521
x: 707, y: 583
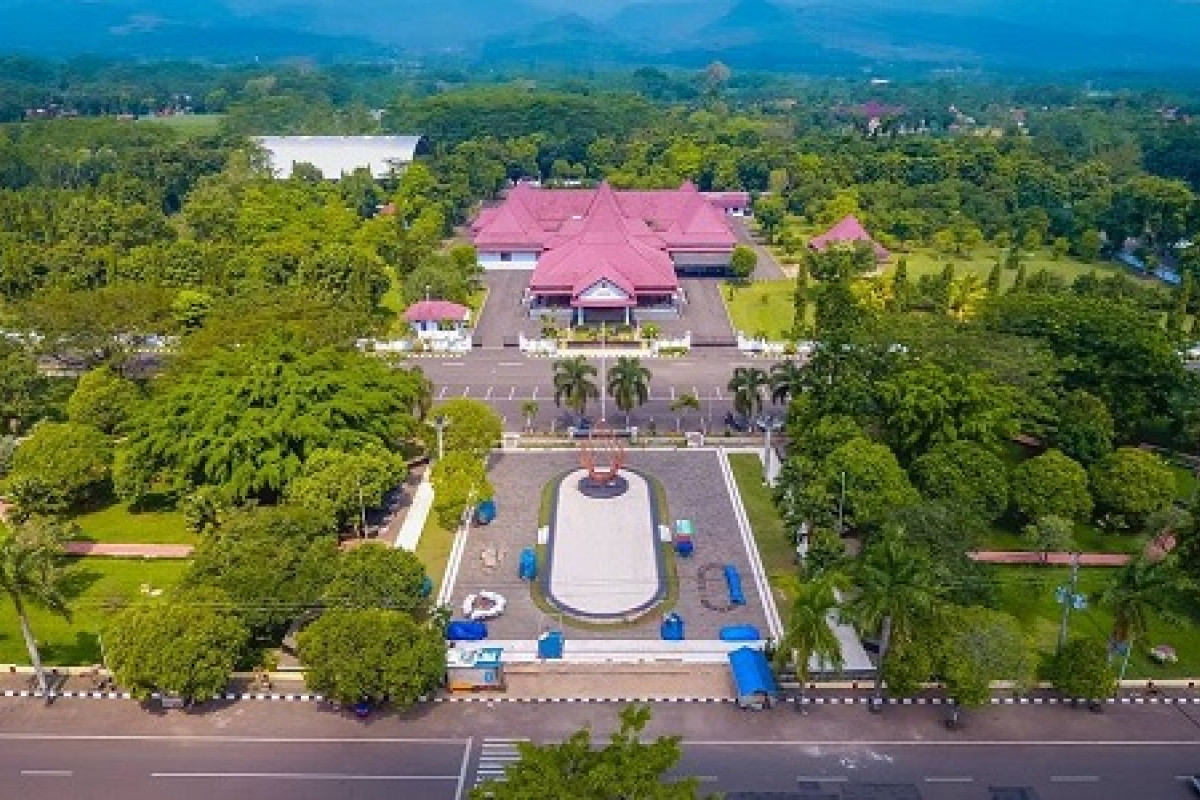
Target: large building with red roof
x: 603, y: 251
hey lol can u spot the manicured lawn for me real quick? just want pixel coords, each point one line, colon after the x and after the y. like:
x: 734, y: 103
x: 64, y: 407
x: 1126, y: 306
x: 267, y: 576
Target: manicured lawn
x: 1186, y: 484
x: 774, y: 546
x: 117, y: 524
x: 96, y: 588
x: 434, y: 550
x: 1086, y: 539
x: 1028, y: 592
x: 980, y: 262
x: 189, y: 124
x: 763, y: 307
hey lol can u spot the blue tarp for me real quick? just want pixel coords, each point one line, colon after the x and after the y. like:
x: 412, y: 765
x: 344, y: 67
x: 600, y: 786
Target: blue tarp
x: 752, y: 676
x: 671, y: 628
x: 740, y: 633
x: 735, y: 585
x: 463, y: 630
x: 527, y: 568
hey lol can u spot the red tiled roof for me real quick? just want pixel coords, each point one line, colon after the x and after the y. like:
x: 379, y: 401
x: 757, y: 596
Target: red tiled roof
x: 436, y: 311
x: 849, y: 229
x: 624, y: 237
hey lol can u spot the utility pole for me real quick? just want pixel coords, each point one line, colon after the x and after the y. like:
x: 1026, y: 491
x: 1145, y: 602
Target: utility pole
x: 1067, y: 596
x: 439, y: 424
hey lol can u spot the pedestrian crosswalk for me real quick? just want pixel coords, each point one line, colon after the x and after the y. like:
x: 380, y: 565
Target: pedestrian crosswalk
x: 494, y: 756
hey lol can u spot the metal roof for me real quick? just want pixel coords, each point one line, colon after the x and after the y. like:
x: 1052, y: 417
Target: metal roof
x: 339, y: 155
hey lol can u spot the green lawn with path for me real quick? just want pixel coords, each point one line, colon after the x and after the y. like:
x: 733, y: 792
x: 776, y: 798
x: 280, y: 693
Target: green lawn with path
x: 762, y: 308
x: 433, y: 550
x: 774, y: 546
x: 1028, y: 592
x: 96, y: 587
x: 188, y: 124
x: 116, y: 524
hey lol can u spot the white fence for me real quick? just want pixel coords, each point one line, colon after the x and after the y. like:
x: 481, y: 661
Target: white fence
x: 441, y: 342
x: 766, y: 347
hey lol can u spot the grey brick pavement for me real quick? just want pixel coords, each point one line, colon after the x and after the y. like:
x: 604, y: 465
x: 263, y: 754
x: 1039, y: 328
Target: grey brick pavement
x: 695, y: 490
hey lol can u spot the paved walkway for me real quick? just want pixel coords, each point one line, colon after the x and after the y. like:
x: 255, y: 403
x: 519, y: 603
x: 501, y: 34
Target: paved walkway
x: 130, y: 550
x: 1052, y: 559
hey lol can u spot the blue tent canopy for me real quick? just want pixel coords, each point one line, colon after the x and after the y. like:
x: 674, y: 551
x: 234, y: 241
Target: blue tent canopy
x: 753, y: 678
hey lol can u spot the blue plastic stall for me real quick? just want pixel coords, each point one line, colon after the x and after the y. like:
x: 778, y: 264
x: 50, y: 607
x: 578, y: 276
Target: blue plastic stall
x: 734, y: 581
x: 485, y: 512
x: 671, y: 628
x: 756, y: 686
x: 550, y: 645
x: 740, y: 633
x: 527, y: 568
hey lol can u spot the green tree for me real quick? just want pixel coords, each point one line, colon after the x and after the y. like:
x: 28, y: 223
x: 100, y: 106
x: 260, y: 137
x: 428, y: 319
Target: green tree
x: 629, y: 384
x: 681, y: 405
x: 874, y: 484
x: 1143, y: 590
x: 747, y: 385
x: 185, y: 645
x: 374, y: 654
x: 103, y: 399
x: 982, y: 646
x: 529, y: 410
x: 800, y: 299
x: 1131, y: 483
x: 1090, y: 244
x: 808, y: 634
x: 966, y: 475
x: 574, y: 384
x: 60, y: 467
x: 471, y: 426
x: 459, y: 481
x: 926, y: 405
x: 770, y: 211
x: 993, y: 279
x: 341, y: 486
x: 246, y: 419
x: 742, y: 262
x: 1051, y: 484
x: 897, y: 594
x: 273, y: 563
x: 787, y: 379
x: 626, y: 767
x: 23, y: 391
x: 1085, y: 429
x: 1082, y: 671
x: 30, y: 576
x: 376, y: 575
x: 1050, y: 533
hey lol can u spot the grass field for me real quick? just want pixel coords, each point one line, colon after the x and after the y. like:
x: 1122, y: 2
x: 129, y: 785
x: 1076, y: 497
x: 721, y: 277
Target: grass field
x: 774, y: 547
x: 189, y: 124
x: 762, y: 308
x: 433, y: 550
x: 1028, y: 592
x: 926, y: 262
x: 118, y: 525
x: 96, y: 587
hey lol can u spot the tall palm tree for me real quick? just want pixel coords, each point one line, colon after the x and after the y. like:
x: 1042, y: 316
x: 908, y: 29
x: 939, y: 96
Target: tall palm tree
x: 681, y: 405
x: 1141, y: 590
x: 747, y: 385
x: 629, y: 384
x: 897, y: 591
x: 808, y: 633
x: 30, y: 575
x: 787, y: 381
x: 573, y: 383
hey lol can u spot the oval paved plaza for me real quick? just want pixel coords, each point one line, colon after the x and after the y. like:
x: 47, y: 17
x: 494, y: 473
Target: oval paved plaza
x: 604, y: 556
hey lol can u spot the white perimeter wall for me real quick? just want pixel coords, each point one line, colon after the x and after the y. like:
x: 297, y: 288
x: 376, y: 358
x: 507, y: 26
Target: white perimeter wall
x: 490, y: 260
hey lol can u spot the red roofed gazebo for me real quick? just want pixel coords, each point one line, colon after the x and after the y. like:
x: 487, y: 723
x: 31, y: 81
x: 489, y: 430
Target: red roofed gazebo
x: 847, y: 231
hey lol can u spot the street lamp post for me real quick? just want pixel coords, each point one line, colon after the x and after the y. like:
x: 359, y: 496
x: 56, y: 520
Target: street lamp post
x: 1069, y: 599
x: 439, y: 424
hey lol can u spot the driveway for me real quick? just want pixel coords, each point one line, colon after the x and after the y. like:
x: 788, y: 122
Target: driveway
x: 503, y: 316
x: 705, y: 314
x: 768, y: 268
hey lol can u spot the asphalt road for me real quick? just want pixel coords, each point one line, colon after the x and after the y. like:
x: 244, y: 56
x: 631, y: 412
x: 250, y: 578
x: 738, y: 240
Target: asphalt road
x: 105, y: 749
x: 505, y: 379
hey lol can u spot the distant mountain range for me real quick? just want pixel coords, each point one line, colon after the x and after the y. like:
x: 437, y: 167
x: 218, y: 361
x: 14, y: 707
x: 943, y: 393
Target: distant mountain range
x: 1034, y: 35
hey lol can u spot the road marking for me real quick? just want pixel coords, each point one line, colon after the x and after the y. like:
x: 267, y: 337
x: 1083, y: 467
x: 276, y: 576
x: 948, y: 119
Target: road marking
x: 950, y: 779
x: 535, y: 391
x: 442, y: 393
x: 512, y: 392
x: 47, y: 773
x: 462, y: 770
x: 822, y: 779
x: 672, y: 393
x: 511, y: 364
x: 466, y: 391
x: 494, y: 758
x: 945, y: 743
x: 300, y: 776
x: 488, y: 396
x: 1074, y: 779
x: 208, y: 738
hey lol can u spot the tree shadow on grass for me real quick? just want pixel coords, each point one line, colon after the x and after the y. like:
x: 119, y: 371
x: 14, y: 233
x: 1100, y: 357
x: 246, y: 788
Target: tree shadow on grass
x: 84, y: 649
x: 78, y: 578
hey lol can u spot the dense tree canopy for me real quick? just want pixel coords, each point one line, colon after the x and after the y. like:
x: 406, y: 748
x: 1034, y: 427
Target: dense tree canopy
x: 60, y: 467
x: 1051, y: 484
x: 247, y: 420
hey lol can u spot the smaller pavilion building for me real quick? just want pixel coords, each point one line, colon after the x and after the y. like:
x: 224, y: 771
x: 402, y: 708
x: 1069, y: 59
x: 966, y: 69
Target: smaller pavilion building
x: 848, y: 231
x: 431, y: 319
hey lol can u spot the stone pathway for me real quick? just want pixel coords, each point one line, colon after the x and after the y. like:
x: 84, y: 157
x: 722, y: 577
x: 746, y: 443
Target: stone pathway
x: 1052, y: 559
x: 127, y: 550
